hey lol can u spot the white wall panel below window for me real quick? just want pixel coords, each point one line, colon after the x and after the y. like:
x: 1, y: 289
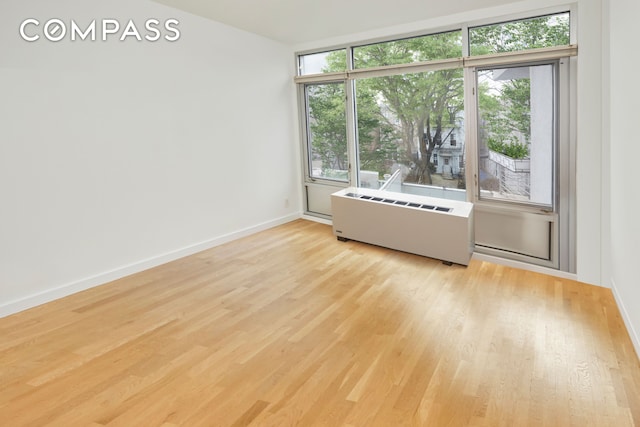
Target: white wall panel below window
x: 518, y: 233
x: 319, y: 198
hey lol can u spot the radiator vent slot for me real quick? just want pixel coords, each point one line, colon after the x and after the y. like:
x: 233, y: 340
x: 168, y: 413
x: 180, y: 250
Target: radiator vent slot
x: 399, y: 202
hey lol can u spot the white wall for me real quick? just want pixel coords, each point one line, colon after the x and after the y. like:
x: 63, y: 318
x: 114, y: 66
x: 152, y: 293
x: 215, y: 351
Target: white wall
x: 588, y: 79
x: 116, y: 156
x: 624, y: 154
x: 589, y: 168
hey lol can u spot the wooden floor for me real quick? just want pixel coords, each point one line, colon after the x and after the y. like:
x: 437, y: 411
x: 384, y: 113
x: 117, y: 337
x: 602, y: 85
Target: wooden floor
x: 291, y: 327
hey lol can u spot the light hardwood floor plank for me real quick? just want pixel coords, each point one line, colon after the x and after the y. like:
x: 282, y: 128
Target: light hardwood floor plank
x: 291, y: 327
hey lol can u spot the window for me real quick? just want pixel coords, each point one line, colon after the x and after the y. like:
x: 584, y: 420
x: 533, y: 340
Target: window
x: 406, y: 51
x: 404, y: 122
x: 327, y: 131
x: 323, y: 62
x: 405, y: 109
x: 543, y: 31
x: 415, y: 115
x: 517, y: 133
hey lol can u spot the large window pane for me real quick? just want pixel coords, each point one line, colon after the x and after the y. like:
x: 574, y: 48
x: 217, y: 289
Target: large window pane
x: 410, y: 133
x: 543, y: 31
x: 406, y: 51
x: 516, y: 135
x: 323, y: 62
x: 327, y: 131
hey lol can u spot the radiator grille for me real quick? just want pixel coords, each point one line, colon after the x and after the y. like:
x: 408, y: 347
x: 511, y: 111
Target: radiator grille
x: 399, y: 202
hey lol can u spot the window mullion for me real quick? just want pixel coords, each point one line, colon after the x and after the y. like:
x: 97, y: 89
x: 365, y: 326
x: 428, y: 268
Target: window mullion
x: 471, y: 135
x: 352, y: 140
x: 320, y: 78
x: 465, y: 41
x: 531, y: 55
x: 416, y: 67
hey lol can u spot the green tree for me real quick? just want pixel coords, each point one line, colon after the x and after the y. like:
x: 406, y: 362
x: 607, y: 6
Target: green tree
x: 376, y: 137
x: 328, y: 126
x: 525, y: 34
x: 418, y: 106
x: 505, y: 114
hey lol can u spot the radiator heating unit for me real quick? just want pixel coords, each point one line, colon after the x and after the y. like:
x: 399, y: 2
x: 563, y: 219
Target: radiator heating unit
x: 431, y: 227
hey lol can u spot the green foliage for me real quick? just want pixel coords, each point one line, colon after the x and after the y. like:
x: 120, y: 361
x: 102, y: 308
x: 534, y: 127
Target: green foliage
x: 406, y: 51
x: 336, y: 61
x: 505, y: 111
x: 513, y: 149
x: 376, y: 147
x: 545, y: 31
x: 328, y: 128
x: 516, y: 95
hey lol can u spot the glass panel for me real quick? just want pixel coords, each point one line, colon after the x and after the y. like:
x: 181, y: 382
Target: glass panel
x: 323, y: 62
x: 516, y: 134
x: 327, y: 131
x: 406, y: 51
x: 407, y: 125
x: 544, y: 31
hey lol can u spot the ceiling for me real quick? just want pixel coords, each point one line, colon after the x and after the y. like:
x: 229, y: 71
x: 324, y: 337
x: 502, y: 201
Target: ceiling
x: 299, y: 21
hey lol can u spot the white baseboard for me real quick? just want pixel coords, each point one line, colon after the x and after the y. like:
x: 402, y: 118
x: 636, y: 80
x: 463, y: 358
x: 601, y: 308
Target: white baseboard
x: 317, y: 219
x: 635, y: 338
x: 34, y: 300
